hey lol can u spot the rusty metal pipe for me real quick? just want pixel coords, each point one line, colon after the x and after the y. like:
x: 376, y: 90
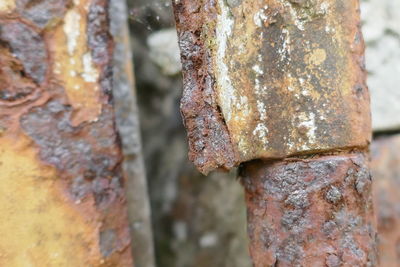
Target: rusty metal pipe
x: 385, y: 170
x: 311, y: 212
x: 62, y: 199
x: 127, y: 121
x: 278, y: 86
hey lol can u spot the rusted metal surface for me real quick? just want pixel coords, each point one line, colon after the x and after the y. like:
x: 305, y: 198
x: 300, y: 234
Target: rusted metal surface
x: 386, y: 172
x: 209, y: 140
x: 271, y: 79
x: 311, y: 212
x: 279, y: 86
x: 62, y: 190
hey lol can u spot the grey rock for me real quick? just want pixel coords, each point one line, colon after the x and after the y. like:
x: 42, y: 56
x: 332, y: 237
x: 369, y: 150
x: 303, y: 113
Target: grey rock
x: 164, y: 50
x: 381, y: 28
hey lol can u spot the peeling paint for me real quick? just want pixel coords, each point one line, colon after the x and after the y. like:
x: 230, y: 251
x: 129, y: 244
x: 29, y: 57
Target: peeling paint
x: 307, y: 126
x: 90, y: 73
x: 260, y: 17
x: 224, y: 28
x: 72, y: 30
x: 284, y: 50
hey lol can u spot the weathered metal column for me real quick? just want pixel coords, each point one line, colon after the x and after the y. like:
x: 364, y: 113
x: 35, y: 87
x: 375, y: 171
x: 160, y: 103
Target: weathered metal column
x: 62, y: 197
x: 127, y: 121
x: 278, y: 86
x: 386, y: 169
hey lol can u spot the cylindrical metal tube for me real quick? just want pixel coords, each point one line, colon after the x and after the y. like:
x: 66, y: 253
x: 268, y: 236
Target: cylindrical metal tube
x: 271, y: 79
x: 385, y: 170
x: 62, y: 190
x: 283, y: 81
x: 312, y: 212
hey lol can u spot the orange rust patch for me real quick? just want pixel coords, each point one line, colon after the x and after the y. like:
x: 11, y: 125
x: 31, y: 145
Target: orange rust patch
x: 39, y: 226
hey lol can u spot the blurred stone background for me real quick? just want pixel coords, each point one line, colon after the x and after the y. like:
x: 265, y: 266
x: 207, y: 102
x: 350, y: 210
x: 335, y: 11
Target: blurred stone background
x: 381, y: 28
x: 201, y: 221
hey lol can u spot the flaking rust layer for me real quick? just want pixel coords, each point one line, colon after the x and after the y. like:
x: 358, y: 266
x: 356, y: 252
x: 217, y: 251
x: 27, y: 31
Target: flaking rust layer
x: 62, y: 190
x: 209, y: 141
x: 311, y: 213
x: 270, y: 79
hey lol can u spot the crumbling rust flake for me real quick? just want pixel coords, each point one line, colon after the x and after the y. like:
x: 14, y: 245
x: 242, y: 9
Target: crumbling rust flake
x: 279, y: 78
x: 311, y: 213
x: 209, y: 140
x: 62, y: 190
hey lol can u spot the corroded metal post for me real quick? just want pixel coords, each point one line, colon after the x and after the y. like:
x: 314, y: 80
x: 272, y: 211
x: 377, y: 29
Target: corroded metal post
x: 62, y: 197
x: 127, y: 120
x: 386, y: 170
x: 278, y: 86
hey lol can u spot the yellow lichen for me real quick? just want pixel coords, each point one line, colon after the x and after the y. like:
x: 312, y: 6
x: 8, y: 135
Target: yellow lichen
x: 317, y: 57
